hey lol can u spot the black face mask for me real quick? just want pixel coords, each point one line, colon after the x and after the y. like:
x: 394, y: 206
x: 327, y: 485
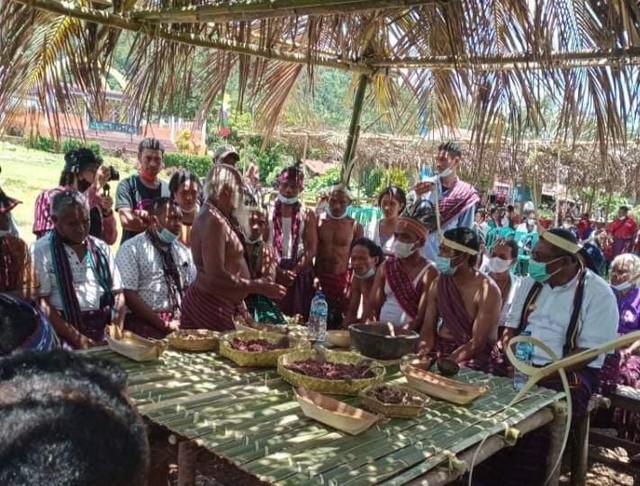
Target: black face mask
x: 83, y: 185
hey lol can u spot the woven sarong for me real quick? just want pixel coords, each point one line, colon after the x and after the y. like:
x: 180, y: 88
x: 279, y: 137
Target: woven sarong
x: 460, y: 197
x: 263, y: 309
x: 407, y: 295
x: 297, y: 301
x: 335, y: 289
x: 202, y: 310
x: 93, y: 325
x: 139, y: 326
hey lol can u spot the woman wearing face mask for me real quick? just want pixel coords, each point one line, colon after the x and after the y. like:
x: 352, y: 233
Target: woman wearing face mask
x: 366, y: 256
x: 84, y: 172
x: 156, y: 270
x: 392, y: 201
x: 396, y: 296
x: 185, y: 189
x: 503, y: 255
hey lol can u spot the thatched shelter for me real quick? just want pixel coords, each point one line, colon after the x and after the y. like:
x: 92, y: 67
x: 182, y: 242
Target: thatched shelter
x: 512, y: 70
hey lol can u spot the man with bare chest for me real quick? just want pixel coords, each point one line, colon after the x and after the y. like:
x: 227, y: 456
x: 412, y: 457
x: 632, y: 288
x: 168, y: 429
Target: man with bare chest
x: 468, y: 302
x: 335, y: 233
x: 223, y: 280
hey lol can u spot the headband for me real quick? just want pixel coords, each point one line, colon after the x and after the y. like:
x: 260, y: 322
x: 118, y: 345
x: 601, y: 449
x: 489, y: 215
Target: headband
x: 560, y: 242
x: 293, y: 175
x: 457, y: 246
x: 416, y: 226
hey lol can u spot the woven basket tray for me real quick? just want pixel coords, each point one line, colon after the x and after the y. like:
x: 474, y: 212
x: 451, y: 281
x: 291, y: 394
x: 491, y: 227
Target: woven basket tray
x: 334, y: 387
x: 136, y: 347
x: 393, y: 409
x: 194, y: 340
x: 268, y: 359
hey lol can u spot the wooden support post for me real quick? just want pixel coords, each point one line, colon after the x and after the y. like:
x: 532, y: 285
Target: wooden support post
x: 187, y: 453
x: 358, y: 103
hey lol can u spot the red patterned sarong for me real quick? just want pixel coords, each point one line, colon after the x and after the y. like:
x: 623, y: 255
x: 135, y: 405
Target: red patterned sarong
x: 335, y: 287
x: 299, y: 295
x: 202, y: 310
x: 459, y: 324
x: 407, y: 295
x: 460, y: 197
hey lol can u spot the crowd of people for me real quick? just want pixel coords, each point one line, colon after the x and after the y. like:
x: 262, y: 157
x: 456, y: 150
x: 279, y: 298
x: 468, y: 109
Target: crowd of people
x: 199, y: 253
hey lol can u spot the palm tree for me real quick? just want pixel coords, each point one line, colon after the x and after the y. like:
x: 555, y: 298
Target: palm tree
x: 497, y: 63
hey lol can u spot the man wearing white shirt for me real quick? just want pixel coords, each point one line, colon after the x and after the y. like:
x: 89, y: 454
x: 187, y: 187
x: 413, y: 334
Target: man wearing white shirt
x: 156, y: 268
x: 570, y: 309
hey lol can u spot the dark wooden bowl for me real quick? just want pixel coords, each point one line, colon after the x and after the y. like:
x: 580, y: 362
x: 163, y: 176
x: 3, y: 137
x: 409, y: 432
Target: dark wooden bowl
x: 375, y: 341
x: 448, y: 367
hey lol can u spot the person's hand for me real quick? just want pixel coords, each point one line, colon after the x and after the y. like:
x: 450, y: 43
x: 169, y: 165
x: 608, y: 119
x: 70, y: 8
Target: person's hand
x: 423, y: 188
x: 271, y: 290
x: 106, y: 203
x: 624, y: 354
x: 173, y: 325
x: 85, y: 343
x: 102, y: 176
x: 143, y: 215
x: 287, y: 277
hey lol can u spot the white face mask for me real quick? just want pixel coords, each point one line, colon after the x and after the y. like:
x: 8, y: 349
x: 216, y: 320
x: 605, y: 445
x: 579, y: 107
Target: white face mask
x: 366, y: 275
x: 288, y: 200
x: 330, y: 214
x: 403, y: 250
x: 498, y: 265
x: 445, y: 173
x: 531, y: 222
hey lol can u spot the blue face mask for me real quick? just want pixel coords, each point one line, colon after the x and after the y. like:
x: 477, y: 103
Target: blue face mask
x: 443, y: 264
x: 538, y: 270
x: 167, y: 236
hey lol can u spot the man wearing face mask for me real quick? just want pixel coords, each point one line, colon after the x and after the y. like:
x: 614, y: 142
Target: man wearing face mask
x: 84, y: 172
x: 293, y: 235
x: 397, y: 293
x: 570, y: 309
x: 336, y: 231
x: 466, y: 300
x: 156, y: 269
x: 456, y: 199
x: 222, y: 280
x: 503, y: 255
x: 366, y: 257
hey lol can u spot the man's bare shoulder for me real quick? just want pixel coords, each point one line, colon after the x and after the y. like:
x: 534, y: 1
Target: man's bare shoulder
x: 487, y: 284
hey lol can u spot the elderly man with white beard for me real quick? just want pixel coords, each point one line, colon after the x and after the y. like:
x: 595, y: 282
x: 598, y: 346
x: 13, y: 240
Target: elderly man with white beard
x: 223, y: 280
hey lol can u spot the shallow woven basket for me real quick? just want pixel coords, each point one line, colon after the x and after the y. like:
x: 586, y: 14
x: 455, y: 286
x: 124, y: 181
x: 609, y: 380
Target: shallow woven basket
x: 204, y: 340
x: 268, y: 359
x: 136, y: 347
x: 394, y: 409
x: 334, y: 387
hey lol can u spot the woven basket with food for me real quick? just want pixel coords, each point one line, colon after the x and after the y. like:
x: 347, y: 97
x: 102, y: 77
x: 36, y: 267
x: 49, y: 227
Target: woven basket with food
x: 333, y: 372
x: 194, y: 340
x: 394, y: 400
x: 257, y: 348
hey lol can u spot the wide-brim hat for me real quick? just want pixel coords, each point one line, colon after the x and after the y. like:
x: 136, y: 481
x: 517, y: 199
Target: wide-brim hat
x: 224, y: 151
x: 7, y: 203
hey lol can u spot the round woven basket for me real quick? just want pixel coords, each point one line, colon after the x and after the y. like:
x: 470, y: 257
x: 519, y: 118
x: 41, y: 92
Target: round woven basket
x: 322, y: 385
x: 194, y: 340
x: 268, y: 359
x: 394, y: 409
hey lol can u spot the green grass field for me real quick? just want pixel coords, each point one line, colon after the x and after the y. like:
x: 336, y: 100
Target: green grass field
x: 26, y: 172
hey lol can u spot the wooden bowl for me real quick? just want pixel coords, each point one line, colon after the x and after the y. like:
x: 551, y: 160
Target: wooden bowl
x: 375, y: 340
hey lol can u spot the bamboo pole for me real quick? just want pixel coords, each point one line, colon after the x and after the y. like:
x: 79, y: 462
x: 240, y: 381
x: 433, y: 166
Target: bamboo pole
x: 270, y: 9
x: 358, y: 103
x: 117, y: 21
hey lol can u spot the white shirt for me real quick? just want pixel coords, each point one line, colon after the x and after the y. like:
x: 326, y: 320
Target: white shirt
x: 549, y: 320
x: 391, y: 310
x: 373, y: 233
x: 85, y: 283
x: 140, y: 266
x: 287, y: 235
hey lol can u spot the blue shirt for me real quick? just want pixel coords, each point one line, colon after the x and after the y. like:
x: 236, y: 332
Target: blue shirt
x: 464, y: 220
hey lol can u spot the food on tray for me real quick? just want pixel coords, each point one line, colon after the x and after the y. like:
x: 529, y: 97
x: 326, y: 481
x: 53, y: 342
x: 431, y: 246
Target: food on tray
x: 395, y: 396
x: 256, y: 345
x: 332, y: 371
x: 193, y: 334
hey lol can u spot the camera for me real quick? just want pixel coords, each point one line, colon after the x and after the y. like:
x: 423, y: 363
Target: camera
x: 114, y: 175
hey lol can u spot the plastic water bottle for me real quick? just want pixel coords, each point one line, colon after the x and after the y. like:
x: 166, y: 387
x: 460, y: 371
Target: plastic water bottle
x: 524, y: 353
x: 426, y: 174
x: 318, y: 318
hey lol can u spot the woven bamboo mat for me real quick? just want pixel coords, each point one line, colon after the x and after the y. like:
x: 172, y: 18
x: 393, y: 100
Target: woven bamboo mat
x: 251, y: 418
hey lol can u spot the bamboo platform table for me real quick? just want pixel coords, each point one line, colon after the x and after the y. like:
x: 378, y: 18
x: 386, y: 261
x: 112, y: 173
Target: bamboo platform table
x: 249, y: 419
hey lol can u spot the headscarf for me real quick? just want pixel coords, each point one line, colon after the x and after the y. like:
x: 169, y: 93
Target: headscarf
x: 43, y: 337
x: 420, y: 217
x: 293, y: 174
